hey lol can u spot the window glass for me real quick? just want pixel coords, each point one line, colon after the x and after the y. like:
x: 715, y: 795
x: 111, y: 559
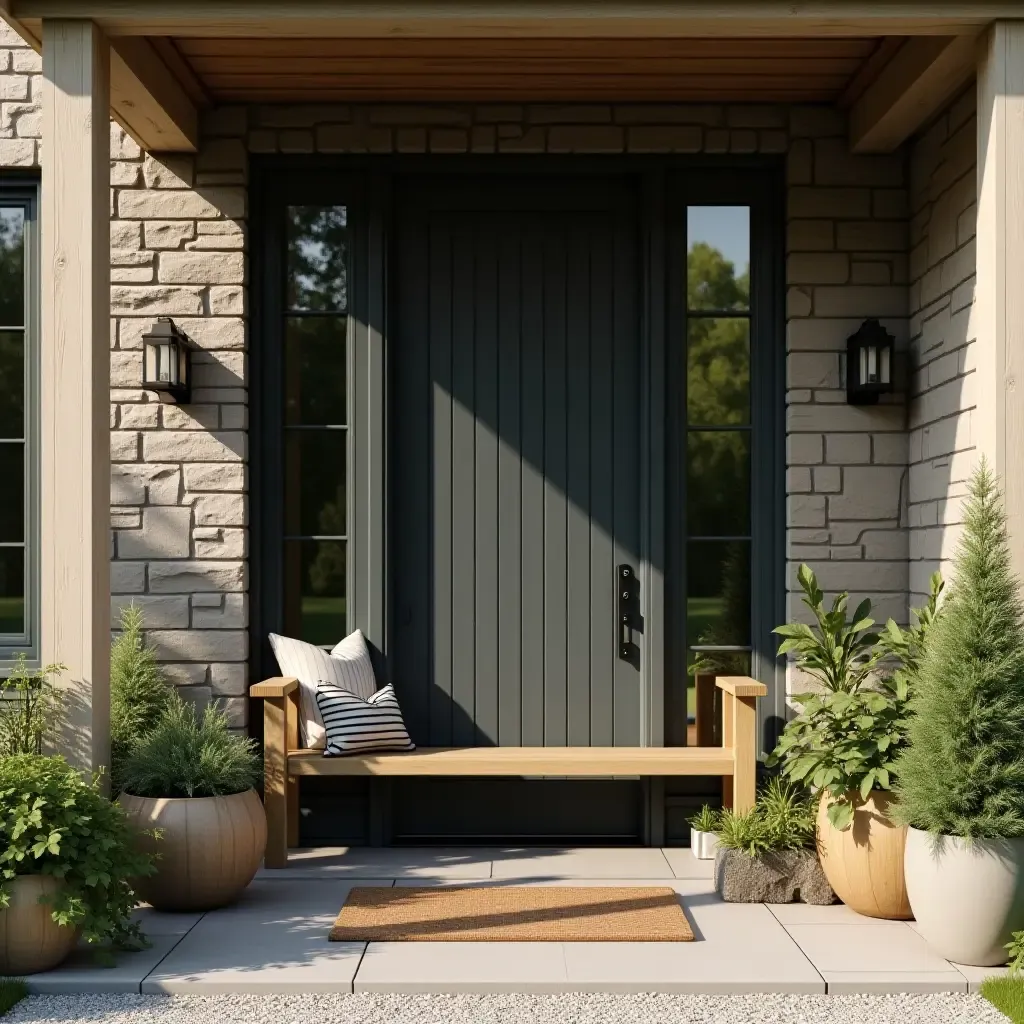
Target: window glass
x: 12, y: 417
x: 718, y: 441
x: 315, y: 439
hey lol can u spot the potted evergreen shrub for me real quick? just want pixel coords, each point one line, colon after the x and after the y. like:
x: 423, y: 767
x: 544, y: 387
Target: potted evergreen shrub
x: 767, y: 855
x: 847, y: 737
x: 961, y: 778
x: 66, y: 857
x: 191, y: 779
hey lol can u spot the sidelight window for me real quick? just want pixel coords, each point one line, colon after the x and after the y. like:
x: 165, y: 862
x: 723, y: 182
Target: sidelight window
x: 315, y: 441
x: 718, y: 440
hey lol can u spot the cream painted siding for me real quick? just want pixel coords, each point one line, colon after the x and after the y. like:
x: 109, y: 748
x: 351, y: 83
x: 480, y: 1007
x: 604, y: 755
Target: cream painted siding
x: 179, y: 489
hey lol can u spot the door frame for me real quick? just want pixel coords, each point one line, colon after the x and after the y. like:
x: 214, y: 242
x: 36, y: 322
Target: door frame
x: 277, y: 180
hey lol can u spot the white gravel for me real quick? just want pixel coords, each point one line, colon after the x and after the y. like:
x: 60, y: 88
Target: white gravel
x: 505, y: 1009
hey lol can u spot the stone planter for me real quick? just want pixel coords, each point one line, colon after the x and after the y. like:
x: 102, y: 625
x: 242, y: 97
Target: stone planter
x: 968, y: 897
x: 208, y: 852
x: 789, y: 876
x: 30, y: 940
x: 864, y: 863
x: 703, y: 845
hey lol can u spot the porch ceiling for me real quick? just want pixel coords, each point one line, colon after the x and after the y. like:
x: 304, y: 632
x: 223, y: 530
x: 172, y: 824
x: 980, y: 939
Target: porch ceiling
x: 669, y: 70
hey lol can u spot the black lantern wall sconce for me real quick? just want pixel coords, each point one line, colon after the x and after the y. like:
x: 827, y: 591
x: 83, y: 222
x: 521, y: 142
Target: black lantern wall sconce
x: 870, y: 355
x: 167, y: 361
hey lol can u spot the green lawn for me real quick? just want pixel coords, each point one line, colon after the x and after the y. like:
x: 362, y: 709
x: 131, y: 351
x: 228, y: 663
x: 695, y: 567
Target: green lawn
x: 12, y: 990
x: 1007, y: 995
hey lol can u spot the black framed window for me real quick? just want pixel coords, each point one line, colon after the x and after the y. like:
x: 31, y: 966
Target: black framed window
x: 314, y: 337
x: 19, y: 346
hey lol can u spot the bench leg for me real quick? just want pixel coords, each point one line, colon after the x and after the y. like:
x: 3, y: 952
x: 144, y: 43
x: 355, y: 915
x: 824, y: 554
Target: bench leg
x: 728, y: 741
x: 744, y: 780
x: 292, y: 801
x: 275, y: 780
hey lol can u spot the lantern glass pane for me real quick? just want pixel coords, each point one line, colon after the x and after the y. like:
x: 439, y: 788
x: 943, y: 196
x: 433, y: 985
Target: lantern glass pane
x: 886, y: 369
x: 873, y: 364
x: 182, y: 364
x: 862, y: 377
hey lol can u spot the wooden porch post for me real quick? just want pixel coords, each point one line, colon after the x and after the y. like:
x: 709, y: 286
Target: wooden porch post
x: 75, y: 565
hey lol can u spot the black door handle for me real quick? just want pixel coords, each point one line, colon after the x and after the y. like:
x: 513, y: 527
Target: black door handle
x: 628, y: 605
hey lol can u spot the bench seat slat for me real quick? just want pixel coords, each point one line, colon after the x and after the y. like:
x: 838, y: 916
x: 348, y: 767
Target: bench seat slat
x: 531, y: 761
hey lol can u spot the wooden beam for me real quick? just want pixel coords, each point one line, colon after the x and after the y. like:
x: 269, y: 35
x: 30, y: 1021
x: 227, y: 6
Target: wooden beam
x: 474, y: 18
x: 914, y: 86
x: 998, y: 422
x: 148, y: 99
x: 75, y: 380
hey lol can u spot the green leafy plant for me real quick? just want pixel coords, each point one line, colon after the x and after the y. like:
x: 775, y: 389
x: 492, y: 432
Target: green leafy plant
x: 962, y: 773
x: 781, y: 819
x: 191, y: 755
x: 12, y: 991
x: 139, y: 695
x: 847, y: 741
x: 54, y: 822
x: 31, y: 708
x: 706, y: 820
x: 1015, y: 948
x: 840, y: 653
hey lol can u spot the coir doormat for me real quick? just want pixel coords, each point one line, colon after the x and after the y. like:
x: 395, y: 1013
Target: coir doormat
x: 512, y: 913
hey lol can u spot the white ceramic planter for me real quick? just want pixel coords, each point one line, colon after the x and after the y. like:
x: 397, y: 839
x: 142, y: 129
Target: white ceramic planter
x: 967, y: 896
x: 703, y: 844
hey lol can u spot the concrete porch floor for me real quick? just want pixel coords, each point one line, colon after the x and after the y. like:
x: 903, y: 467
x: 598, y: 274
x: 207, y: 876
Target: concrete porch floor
x: 275, y: 939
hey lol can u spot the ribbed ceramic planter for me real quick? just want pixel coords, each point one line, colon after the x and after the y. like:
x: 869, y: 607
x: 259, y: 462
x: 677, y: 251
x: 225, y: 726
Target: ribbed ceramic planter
x: 968, y: 897
x: 209, y: 850
x: 703, y: 845
x: 30, y: 940
x: 864, y: 863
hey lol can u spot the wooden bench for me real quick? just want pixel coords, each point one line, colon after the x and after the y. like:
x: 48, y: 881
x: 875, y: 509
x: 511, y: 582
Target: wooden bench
x: 285, y: 762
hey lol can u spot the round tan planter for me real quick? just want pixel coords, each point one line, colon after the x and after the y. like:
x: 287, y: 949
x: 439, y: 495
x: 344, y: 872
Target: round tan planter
x: 864, y: 863
x: 208, y: 851
x: 968, y: 897
x: 30, y: 940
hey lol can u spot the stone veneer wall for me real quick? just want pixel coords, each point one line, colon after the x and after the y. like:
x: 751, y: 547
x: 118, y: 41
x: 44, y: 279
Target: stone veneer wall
x: 178, y: 243
x: 943, y: 333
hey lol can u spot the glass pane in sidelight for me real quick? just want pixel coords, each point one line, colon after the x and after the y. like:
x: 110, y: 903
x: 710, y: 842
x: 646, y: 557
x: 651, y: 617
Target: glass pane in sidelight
x: 718, y: 593
x: 314, y: 370
x: 317, y: 258
x: 314, y: 588
x: 718, y: 483
x: 12, y: 384
x: 718, y: 257
x: 12, y: 266
x: 717, y: 371
x: 12, y: 489
x: 314, y: 481
x: 12, y: 590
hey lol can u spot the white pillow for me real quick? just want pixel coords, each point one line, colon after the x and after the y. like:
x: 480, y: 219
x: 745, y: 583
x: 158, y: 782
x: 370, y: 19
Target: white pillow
x: 357, y: 726
x: 348, y: 665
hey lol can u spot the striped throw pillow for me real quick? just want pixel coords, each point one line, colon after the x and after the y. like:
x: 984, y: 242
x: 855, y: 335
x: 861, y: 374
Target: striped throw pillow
x: 348, y: 665
x: 357, y: 726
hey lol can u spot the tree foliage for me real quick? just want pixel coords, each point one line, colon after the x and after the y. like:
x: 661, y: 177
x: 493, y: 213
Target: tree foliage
x: 963, y: 771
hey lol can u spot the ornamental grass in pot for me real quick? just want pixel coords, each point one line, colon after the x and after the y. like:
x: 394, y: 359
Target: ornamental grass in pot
x: 67, y: 855
x: 192, y: 781
x: 767, y: 854
x: 961, y: 778
x: 847, y: 738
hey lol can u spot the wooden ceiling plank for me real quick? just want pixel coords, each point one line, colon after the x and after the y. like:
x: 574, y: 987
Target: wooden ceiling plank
x: 910, y: 89
x: 181, y: 69
x: 869, y: 70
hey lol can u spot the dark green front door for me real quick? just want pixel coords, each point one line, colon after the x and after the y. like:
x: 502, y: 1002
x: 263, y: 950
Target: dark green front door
x: 516, y: 445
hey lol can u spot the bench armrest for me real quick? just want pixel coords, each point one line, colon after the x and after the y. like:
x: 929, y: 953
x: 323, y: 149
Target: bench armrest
x: 279, y: 686
x: 741, y: 686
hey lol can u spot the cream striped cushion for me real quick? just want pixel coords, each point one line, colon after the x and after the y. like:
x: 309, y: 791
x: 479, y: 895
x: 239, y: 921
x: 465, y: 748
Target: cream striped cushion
x: 357, y: 726
x: 347, y: 665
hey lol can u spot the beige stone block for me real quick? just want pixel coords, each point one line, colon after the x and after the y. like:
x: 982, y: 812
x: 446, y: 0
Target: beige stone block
x: 157, y: 612
x: 875, y: 272
x: 220, y: 542
x: 125, y: 518
x: 817, y: 268
x: 194, y: 446
x: 230, y: 680
x: 810, y: 235
x: 798, y: 302
x: 17, y: 152
x: 209, y: 333
x: 798, y: 480
x: 812, y: 370
x: 122, y: 145
x: 201, y: 268
x: 133, y: 275
x: 124, y: 174
x: 834, y: 164
x: 125, y: 234
x: 665, y: 139
x: 805, y: 510
x: 869, y: 492
x: 860, y: 300
x: 218, y: 234
x: 193, y: 576
x: 216, y: 476
x: 191, y: 417
x: 586, y: 139
x: 199, y: 644
x: 206, y: 203
x: 227, y: 154
x: 229, y: 120
x: 156, y: 300
x: 14, y: 87
x: 804, y: 449
x: 813, y: 201
x: 26, y: 62
x: 816, y: 121
x: 234, y: 417
x: 130, y: 258
x: 847, y: 449
x: 219, y: 509
x: 127, y: 577
x: 872, y: 236
x: 124, y: 445
x: 164, y: 534
x: 168, y: 170
x: 830, y: 334
x: 841, y: 418
x: 449, y: 140
x: 168, y: 234
x: 827, y: 479
x: 870, y: 577
x: 890, y: 203
x: 227, y: 300
x: 142, y: 416
x: 218, y: 370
